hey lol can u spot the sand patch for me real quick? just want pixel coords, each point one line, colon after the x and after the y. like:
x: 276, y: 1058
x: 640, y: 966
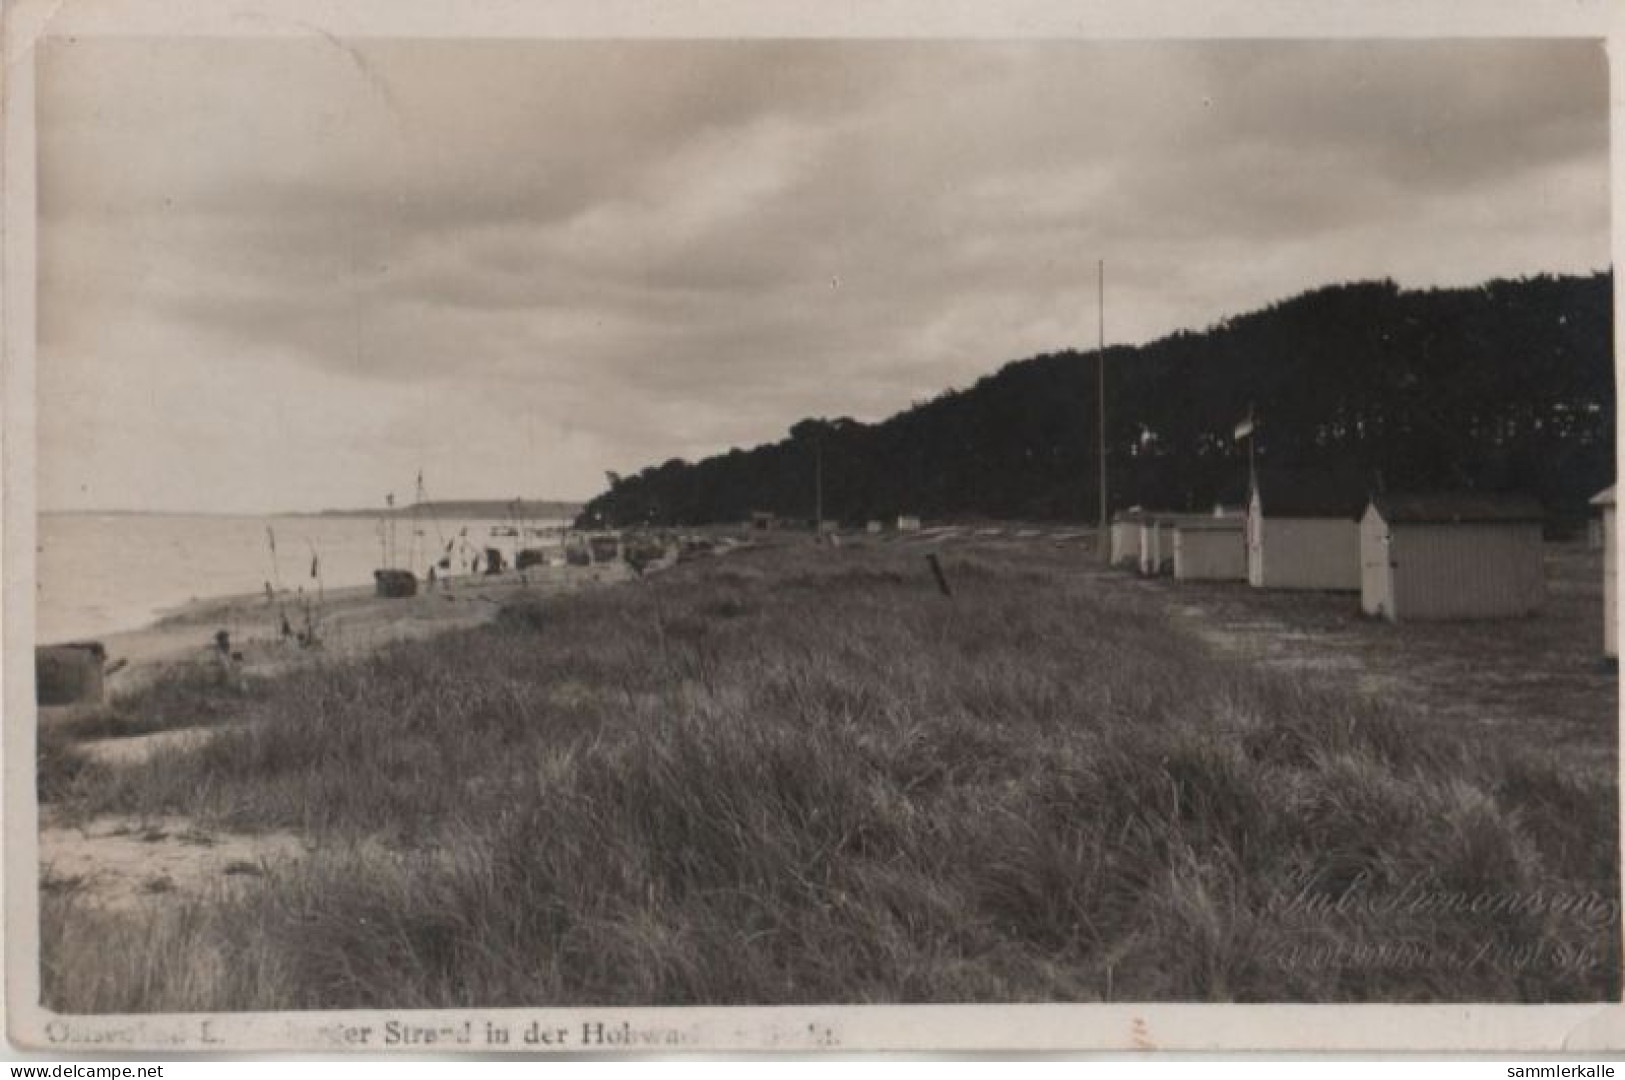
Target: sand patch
x: 137, y: 749
x: 125, y: 863
x: 1537, y: 678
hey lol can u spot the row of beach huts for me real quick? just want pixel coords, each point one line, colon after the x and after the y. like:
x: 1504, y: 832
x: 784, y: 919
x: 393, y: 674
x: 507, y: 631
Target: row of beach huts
x: 1452, y: 555
x: 764, y: 521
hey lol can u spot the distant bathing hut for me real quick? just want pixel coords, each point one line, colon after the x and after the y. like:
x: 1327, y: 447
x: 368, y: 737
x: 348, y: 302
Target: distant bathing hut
x: 1125, y: 537
x: 69, y: 674
x: 395, y: 584
x: 763, y: 521
x: 1458, y: 555
x: 1303, y: 529
x: 1150, y: 547
x: 1604, y: 500
x: 908, y: 523
x: 1156, y: 548
x: 1157, y: 540
x: 874, y: 528
x: 1211, y: 549
x: 1156, y: 544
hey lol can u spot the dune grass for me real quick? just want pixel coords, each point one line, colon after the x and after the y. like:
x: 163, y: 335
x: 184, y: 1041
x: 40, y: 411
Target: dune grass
x: 185, y: 696
x: 804, y: 776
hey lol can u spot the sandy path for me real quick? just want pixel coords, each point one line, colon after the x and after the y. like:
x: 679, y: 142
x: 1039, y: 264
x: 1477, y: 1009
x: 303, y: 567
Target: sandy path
x: 135, y: 749
x: 1537, y: 680
x: 122, y: 863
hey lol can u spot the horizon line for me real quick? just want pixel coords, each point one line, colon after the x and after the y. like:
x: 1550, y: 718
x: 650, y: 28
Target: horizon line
x: 103, y: 511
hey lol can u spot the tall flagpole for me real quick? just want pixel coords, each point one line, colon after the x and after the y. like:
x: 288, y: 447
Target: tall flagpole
x: 1252, y: 448
x: 1100, y: 374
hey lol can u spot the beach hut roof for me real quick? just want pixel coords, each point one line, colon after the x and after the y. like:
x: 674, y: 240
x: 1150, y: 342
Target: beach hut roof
x: 1333, y: 493
x: 1456, y: 508
x: 1210, y: 524
x: 1604, y: 497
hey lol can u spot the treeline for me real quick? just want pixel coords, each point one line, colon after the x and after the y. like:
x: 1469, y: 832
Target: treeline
x: 1504, y: 386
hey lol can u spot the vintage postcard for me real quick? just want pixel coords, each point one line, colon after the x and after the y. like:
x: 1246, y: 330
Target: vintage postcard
x: 651, y: 528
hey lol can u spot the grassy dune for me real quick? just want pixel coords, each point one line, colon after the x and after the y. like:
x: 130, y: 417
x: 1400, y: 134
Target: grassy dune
x: 800, y: 775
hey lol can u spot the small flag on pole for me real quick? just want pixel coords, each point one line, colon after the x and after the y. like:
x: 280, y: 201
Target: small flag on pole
x: 1245, y: 428
x: 315, y: 566
x: 270, y: 538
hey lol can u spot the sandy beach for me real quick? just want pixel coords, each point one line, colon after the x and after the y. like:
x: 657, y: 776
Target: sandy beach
x: 125, y: 862
x: 348, y: 622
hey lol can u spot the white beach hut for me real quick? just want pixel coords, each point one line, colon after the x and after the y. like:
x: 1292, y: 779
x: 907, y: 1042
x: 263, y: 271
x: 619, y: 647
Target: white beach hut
x: 908, y: 523
x: 1211, y: 549
x: 1157, y: 532
x: 1125, y: 537
x: 1610, y: 595
x: 1458, y: 555
x: 1303, y: 530
x: 1155, y: 557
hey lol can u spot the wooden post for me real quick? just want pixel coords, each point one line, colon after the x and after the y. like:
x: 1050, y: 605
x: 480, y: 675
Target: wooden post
x: 936, y: 572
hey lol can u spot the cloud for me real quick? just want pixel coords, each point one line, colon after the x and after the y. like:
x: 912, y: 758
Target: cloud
x: 629, y: 251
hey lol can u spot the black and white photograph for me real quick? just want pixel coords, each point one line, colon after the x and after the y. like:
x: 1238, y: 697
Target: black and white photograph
x: 626, y: 522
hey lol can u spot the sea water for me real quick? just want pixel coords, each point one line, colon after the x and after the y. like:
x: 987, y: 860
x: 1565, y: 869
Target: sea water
x: 96, y: 574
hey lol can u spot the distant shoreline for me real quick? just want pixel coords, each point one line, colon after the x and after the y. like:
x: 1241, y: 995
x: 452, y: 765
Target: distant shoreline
x: 101, y: 575
x: 353, y: 620
x: 495, y: 509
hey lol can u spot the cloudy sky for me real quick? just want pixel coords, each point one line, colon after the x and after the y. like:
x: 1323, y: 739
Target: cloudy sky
x: 285, y: 274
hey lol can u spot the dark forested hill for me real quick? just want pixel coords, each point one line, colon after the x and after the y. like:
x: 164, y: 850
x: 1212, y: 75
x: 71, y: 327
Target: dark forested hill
x: 1505, y: 385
